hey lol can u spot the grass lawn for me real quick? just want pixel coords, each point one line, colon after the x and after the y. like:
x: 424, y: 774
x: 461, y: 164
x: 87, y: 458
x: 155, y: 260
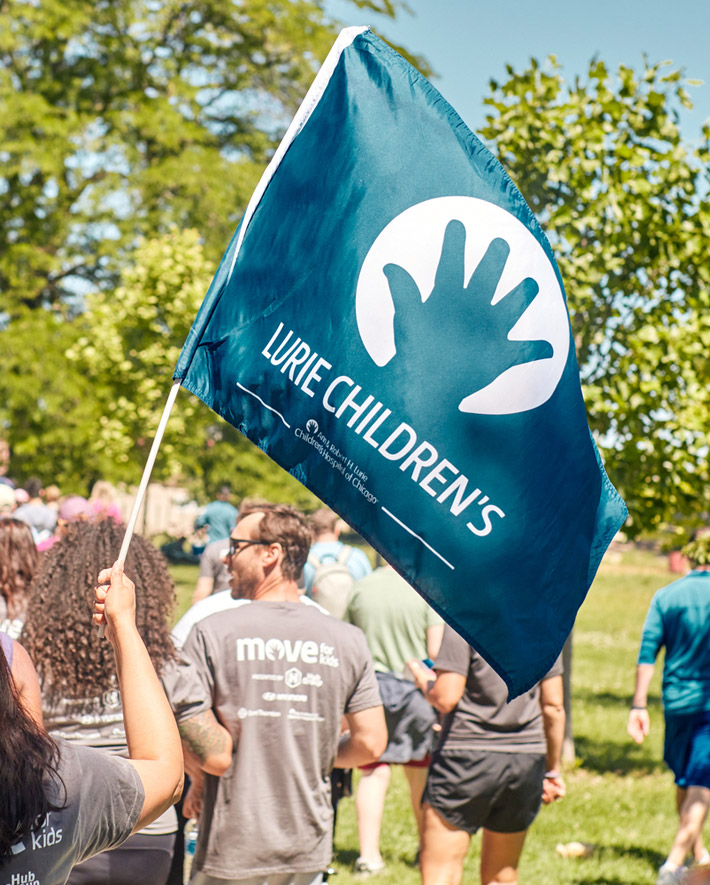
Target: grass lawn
x: 619, y: 796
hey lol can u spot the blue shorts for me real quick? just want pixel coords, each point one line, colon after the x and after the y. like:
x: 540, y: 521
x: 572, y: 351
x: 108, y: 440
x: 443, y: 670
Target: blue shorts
x: 686, y: 748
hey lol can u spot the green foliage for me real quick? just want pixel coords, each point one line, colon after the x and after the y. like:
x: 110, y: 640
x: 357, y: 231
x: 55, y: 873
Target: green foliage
x: 122, y: 121
x: 129, y: 344
x: 625, y: 204
x: 122, y: 117
x: 697, y: 551
x: 46, y: 405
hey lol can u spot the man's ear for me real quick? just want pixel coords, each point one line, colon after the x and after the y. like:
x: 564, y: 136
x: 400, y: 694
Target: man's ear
x: 272, y: 554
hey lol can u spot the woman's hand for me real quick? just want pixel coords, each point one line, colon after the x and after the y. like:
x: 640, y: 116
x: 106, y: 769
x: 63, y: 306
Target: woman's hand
x: 114, y: 599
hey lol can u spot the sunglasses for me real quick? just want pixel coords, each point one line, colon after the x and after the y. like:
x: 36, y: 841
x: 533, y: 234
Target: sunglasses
x: 237, y: 544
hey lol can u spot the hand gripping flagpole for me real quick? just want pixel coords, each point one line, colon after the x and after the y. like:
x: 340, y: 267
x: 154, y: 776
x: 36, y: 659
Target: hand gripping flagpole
x: 140, y: 494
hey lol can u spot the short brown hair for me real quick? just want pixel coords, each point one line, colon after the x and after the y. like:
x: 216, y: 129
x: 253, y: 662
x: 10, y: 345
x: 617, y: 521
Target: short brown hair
x: 289, y: 528
x: 323, y: 520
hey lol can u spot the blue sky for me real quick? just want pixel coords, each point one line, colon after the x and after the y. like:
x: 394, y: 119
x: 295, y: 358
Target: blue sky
x: 468, y: 42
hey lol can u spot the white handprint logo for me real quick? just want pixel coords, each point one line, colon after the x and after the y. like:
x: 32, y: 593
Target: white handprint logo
x: 496, y: 330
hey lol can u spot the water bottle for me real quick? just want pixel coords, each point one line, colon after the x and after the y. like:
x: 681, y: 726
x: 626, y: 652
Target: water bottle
x: 191, y: 840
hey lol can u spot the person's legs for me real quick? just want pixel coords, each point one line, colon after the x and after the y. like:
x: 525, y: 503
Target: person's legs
x: 369, y: 805
x: 443, y: 849
x: 693, y: 812
x: 687, y: 753
x: 416, y: 778
x: 700, y: 855
x: 500, y: 854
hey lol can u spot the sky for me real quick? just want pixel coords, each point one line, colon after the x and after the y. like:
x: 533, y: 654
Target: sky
x: 468, y: 42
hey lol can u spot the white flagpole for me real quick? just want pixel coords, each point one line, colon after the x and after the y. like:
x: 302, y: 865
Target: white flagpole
x: 140, y: 494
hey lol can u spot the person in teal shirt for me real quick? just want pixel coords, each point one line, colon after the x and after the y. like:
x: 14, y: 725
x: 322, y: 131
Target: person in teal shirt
x: 220, y: 516
x: 679, y: 620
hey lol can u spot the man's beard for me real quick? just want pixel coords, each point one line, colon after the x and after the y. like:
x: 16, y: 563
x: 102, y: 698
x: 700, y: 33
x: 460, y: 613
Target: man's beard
x: 243, y: 584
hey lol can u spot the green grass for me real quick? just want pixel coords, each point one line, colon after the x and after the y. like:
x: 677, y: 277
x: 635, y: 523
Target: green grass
x: 185, y: 578
x: 619, y: 796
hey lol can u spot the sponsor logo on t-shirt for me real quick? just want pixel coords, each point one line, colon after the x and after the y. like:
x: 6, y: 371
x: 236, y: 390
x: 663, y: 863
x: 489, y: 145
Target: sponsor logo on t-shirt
x: 243, y: 713
x: 308, y: 651
x: 284, y: 696
x: 112, y: 698
x: 293, y: 677
x: 305, y: 715
x: 24, y: 879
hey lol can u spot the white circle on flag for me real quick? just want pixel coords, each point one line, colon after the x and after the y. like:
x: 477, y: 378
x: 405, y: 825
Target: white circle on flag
x: 414, y: 241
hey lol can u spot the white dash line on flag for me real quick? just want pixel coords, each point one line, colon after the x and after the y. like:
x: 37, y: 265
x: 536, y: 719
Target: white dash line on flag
x: 418, y: 537
x: 265, y: 405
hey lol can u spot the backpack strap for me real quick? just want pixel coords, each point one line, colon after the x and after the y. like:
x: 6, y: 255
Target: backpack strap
x: 344, y: 555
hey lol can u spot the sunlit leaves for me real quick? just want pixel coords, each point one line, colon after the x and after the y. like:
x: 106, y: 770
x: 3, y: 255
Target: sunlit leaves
x: 624, y: 200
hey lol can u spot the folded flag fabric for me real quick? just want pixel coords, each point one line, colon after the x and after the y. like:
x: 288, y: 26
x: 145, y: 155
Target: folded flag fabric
x: 389, y: 324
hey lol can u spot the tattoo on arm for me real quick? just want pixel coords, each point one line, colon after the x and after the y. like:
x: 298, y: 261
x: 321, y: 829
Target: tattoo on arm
x: 203, y: 735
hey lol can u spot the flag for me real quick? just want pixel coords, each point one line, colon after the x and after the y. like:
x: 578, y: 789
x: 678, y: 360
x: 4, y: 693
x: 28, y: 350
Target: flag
x: 388, y: 324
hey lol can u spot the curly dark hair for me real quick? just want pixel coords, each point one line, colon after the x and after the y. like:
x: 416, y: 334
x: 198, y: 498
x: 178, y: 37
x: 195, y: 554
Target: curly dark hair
x: 71, y: 659
x: 29, y: 761
x: 18, y: 563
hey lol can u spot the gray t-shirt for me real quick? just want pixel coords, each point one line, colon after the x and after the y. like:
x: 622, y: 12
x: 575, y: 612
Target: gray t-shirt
x: 40, y: 518
x: 104, y: 798
x: 482, y: 719
x: 90, y: 722
x: 280, y: 676
x: 212, y: 565
x: 98, y: 722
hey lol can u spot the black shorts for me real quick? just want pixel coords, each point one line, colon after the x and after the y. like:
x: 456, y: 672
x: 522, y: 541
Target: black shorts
x: 499, y: 791
x: 141, y: 858
x: 409, y: 718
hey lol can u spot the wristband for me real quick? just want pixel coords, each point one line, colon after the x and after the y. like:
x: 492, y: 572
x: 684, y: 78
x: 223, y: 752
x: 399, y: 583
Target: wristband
x: 551, y: 775
x: 634, y: 707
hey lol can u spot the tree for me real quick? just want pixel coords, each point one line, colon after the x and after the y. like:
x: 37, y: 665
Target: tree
x: 122, y: 117
x: 47, y: 411
x: 625, y: 204
x: 126, y: 345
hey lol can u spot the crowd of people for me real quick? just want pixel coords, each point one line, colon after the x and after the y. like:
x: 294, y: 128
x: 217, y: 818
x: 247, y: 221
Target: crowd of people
x: 296, y: 664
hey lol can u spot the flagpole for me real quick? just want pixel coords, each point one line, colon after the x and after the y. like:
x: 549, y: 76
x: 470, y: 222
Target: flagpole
x: 145, y: 479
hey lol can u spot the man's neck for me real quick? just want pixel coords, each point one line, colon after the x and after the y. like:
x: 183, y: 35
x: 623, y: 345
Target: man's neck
x: 277, y: 589
x: 327, y: 538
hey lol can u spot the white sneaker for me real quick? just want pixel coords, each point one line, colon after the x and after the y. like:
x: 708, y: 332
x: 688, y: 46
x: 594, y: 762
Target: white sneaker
x: 671, y: 877
x: 363, y: 869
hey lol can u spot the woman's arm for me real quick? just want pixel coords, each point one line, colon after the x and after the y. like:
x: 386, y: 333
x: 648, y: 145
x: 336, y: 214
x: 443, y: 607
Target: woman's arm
x: 443, y: 688
x: 151, y: 733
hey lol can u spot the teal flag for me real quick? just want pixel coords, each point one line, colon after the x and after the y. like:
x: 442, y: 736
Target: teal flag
x: 389, y: 324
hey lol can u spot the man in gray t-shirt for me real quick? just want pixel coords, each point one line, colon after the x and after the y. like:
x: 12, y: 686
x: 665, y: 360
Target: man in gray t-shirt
x: 494, y: 764
x: 280, y: 675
